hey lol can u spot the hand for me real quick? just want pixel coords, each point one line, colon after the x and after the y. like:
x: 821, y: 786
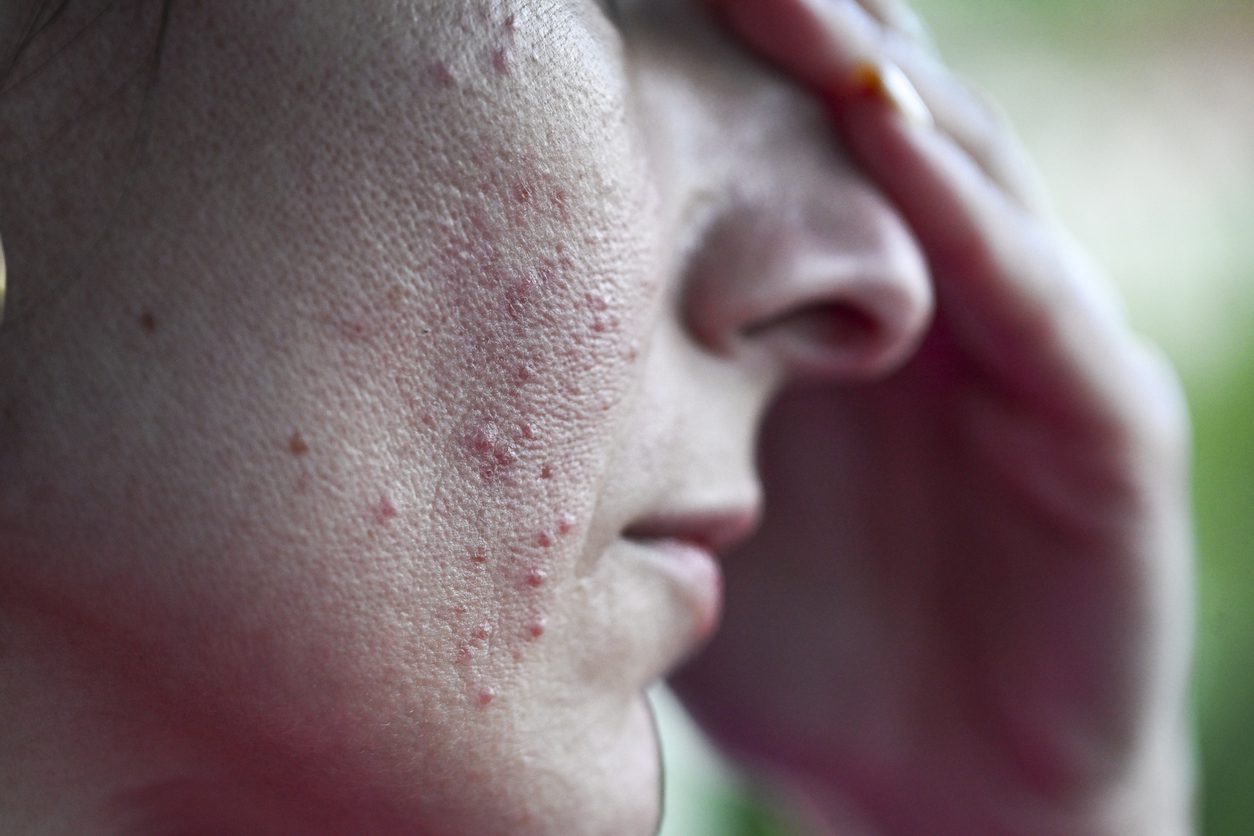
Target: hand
x: 969, y: 609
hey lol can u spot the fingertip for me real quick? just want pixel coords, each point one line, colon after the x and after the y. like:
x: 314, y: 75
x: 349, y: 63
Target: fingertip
x: 888, y: 84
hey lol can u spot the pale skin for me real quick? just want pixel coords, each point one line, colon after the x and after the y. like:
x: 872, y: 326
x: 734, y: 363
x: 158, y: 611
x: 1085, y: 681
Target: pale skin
x: 330, y: 486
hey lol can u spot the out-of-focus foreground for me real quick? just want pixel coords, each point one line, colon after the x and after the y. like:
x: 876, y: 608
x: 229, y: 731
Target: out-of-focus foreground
x: 1140, y: 114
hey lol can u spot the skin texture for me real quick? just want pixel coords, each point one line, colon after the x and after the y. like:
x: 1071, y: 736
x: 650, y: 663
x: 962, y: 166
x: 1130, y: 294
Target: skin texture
x: 346, y: 352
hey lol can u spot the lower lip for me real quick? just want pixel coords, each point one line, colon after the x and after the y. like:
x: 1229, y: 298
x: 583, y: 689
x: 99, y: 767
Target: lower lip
x: 696, y: 572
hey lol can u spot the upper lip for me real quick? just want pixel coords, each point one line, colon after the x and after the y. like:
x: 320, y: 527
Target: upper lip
x: 717, y: 530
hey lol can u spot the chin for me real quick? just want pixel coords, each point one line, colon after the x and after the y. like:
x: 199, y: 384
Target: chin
x: 611, y: 784
x: 578, y: 775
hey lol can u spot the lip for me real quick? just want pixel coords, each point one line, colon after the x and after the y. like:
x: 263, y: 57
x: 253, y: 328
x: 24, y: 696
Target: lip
x: 686, y: 548
x: 716, y: 532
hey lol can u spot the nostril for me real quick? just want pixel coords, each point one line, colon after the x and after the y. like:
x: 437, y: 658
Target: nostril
x: 821, y: 339
x: 834, y: 326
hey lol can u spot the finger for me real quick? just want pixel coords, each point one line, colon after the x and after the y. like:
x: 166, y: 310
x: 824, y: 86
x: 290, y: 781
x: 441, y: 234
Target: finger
x: 824, y: 44
x: 1027, y: 305
x: 898, y: 16
x: 974, y: 121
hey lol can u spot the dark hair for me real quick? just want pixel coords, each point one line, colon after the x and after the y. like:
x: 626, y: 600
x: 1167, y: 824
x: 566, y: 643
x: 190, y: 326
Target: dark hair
x: 42, y: 17
x: 62, y: 25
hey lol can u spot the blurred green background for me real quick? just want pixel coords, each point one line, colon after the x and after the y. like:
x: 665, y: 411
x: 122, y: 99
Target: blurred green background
x: 1140, y: 114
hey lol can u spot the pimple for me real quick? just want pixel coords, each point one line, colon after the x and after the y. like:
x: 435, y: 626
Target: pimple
x: 565, y: 523
x: 478, y: 558
x: 543, y: 540
x: 354, y: 331
x: 486, y: 695
x: 383, y: 510
x: 483, y: 632
x: 500, y: 61
x: 604, y: 322
x: 297, y: 445
x: 536, y: 578
x: 427, y: 420
x: 148, y: 322
x: 465, y: 655
x: 486, y: 445
x: 526, y: 373
x: 443, y: 76
x: 536, y: 629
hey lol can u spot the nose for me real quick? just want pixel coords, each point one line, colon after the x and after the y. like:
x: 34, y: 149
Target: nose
x: 810, y: 271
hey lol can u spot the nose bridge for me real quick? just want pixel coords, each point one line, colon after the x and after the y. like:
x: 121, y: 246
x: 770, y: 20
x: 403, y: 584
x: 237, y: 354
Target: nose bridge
x: 802, y: 261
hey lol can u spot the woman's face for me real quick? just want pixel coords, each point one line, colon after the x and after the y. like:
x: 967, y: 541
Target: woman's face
x: 360, y: 465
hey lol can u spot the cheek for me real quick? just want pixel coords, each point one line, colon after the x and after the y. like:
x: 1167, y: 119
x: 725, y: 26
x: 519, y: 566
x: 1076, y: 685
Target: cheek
x: 547, y: 316
x: 509, y: 364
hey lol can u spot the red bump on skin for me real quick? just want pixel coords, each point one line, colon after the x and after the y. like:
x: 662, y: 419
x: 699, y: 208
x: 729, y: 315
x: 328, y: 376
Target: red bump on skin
x: 486, y: 695
x: 526, y: 373
x: 464, y: 655
x: 354, y: 330
x: 597, y: 303
x: 522, y: 193
x: 536, y: 578
x: 384, y: 510
x: 604, y: 322
x: 483, y: 631
x: 296, y: 445
x: 546, y: 472
x: 536, y: 630
x: 490, y: 449
x: 543, y: 540
x: 427, y: 420
x: 564, y: 524
x: 442, y: 74
x: 478, y: 558
x: 500, y: 61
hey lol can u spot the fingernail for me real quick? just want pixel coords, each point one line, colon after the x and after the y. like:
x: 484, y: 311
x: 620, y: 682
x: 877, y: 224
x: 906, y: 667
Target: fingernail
x: 886, y: 82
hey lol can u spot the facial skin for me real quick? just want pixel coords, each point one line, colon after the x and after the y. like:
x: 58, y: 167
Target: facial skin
x: 328, y: 412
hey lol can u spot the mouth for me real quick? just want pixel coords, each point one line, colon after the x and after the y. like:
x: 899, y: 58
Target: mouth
x: 716, y: 532
x: 686, y: 547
